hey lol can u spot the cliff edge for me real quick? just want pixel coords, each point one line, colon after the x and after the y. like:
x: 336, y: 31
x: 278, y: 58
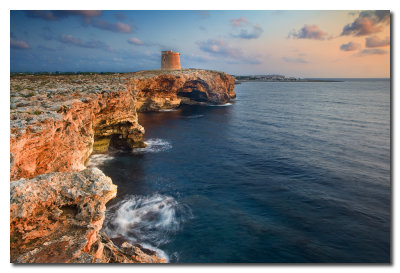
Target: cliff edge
x: 56, y: 122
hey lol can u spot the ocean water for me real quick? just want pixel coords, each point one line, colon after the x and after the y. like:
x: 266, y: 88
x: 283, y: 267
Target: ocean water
x: 287, y: 173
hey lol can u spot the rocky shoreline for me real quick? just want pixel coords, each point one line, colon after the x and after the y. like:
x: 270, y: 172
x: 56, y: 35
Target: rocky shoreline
x: 57, y: 205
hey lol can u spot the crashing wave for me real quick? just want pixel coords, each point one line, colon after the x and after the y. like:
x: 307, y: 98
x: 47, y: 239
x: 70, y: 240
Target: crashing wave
x: 153, y: 146
x: 168, y: 110
x: 98, y: 160
x: 148, y: 220
x: 220, y: 105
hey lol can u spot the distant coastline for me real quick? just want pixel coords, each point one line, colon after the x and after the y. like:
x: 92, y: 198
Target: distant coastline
x: 278, y: 78
x: 302, y: 80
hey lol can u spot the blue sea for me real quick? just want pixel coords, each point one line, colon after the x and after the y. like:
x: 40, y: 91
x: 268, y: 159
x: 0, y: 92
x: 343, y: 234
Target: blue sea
x: 289, y: 172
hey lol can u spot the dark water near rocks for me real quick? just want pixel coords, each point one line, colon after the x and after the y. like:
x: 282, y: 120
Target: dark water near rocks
x: 290, y: 172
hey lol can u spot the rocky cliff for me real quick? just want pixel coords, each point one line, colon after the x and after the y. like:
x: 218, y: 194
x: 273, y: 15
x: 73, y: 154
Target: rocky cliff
x: 57, y: 217
x: 159, y: 89
x: 57, y: 122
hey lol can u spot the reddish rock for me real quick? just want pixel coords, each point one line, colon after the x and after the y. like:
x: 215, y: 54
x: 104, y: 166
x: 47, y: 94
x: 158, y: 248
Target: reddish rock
x: 56, y: 127
x: 57, y: 217
x: 57, y: 206
x: 158, y: 89
x: 59, y: 135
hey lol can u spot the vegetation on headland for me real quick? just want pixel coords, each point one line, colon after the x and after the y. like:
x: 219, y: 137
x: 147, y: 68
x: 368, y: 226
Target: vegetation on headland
x: 43, y: 73
x: 238, y: 78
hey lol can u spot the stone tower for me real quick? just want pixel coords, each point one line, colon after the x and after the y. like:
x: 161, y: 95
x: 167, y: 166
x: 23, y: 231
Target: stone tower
x: 170, y: 60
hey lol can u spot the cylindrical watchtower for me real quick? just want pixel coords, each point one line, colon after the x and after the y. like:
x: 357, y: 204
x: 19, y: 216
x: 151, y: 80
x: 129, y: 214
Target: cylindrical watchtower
x: 170, y: 60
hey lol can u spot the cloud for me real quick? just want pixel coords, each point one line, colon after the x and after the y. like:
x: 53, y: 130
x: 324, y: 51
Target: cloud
x: 55, y: 15
x: 18, y: 44
x: 374, y: 41
x: 309, y: 32
x: 84, y: 13
x: 117, y: 27
x: 42, y: 14
x: 71, y: 40
x: 239, y: 22
x: 350, y: 46
x: 372, y: 51
x: 87, y: 17
x: 381, y: 16
x: 135, y: 41
x: 221, y: 48
x: 254, y: 33
x: 244, y: 29
x: 367, y: 22
x: 295, y: 60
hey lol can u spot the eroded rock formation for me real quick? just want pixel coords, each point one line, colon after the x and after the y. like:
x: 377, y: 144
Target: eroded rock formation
x: 57, y: 206
x: 57, y: 217
x: 54, y: 130
x: 157, y: 89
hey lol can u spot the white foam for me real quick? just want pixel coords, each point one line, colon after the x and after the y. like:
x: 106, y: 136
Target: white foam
x: 147, y: 220
x: 168, y: 110
x: 154, y: 145
x: 99, y: 159
x: 220, y: 105
x: 159, y: 252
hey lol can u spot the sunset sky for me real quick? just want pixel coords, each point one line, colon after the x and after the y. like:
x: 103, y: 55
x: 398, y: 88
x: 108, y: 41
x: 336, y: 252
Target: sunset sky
x: 292, y: 43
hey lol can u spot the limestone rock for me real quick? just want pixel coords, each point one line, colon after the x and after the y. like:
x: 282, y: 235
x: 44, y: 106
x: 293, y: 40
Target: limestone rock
x: 158, y: 89
x: 57, y: 206
x: 57, y: 217
x: 58, y: 121
x: 56, y: 131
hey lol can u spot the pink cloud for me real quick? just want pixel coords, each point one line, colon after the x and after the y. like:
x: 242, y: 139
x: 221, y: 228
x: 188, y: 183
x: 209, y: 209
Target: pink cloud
x: 118, y: 27
x: 239, y: 21
x: 309, y: 32
x: 368, y: 22
x: 375, y: 41
x: 135, y: 41
x: 18, y: 44
x: 350, y: 46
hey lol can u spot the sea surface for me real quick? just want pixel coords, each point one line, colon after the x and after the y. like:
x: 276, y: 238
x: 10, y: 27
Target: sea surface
x: 287, y: 173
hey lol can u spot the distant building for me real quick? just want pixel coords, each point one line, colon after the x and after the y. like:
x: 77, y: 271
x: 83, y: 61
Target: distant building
x: 170, y: 60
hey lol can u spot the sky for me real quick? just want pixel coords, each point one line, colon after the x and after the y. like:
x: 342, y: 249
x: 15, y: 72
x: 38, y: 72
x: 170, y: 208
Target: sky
x: 317, y: 44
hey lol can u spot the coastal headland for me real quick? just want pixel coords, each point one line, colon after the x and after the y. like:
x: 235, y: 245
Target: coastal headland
x: 278, y: 78
x: 57, y: 205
